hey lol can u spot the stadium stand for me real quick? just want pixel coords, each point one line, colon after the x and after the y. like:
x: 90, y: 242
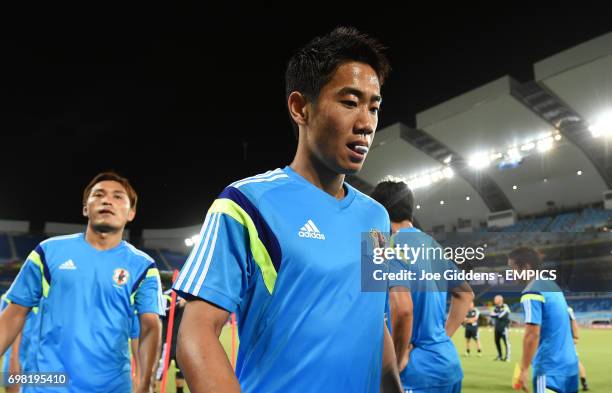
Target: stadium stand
x: 590, y: 304
x: 166, y: 260
x: 593, y: 218
x: 565, y: 222
x: 154, y: 253
x: 174, y: 259
x: 25, y: 243
x: 5, y: 248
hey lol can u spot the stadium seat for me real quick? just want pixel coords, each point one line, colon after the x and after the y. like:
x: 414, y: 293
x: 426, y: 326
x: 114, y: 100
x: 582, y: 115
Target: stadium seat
x: 174, y: 259
x: 5, y: 248
x: 25, y: 243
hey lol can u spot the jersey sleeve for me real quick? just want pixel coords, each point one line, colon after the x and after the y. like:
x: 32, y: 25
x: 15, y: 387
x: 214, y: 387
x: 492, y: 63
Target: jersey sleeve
x: 32, y: 282
x: 135, y: 332
x: 235, y: 241
x: 397, y: 266
x: 4, y: 302
x: 148, y: 295
x: 532, y: 303
x: 570, y: 311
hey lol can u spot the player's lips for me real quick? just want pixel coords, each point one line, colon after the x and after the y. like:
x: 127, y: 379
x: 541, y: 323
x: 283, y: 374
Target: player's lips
x: 358, y: 149
x: 106, y: 211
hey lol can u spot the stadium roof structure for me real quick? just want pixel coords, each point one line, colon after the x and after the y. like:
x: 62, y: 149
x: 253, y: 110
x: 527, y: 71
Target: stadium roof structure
x: 507, y: 145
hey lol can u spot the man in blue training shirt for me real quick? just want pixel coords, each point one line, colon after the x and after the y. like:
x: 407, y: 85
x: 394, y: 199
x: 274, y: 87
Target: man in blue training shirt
x: 15, y: 357
x: 548, y: 342
x: 87, y: 287
x: 283, y: 249
x: 427, y: 359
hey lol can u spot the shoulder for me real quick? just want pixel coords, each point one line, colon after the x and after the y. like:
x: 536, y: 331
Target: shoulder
x: 533, y: 295
x: 139, y: 256
x: 254, y: 187
x: 366, y: 202
x: 532, y: 287
x: 245, y: 195
x: 59, y: 241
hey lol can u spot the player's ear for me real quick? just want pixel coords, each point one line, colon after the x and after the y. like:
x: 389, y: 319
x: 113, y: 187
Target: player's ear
x: 84, y: 210
x: 131, y: 214
x: 298, y: 108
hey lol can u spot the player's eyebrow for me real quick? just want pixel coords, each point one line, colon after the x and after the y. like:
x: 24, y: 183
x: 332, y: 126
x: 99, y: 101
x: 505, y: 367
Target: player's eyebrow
x: 358, y: 93
x: 104, y: 190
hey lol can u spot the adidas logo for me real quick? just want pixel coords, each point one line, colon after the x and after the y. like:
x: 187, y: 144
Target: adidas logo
x: 68, y: 265
x: 310, y: 230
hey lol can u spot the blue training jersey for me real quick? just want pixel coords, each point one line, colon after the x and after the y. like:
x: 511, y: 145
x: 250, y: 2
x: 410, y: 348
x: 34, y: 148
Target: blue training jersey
x: 135, y: 330
x: 434, y: 361
x: 544, y: 305
x: 86, y: 300
x: 27, y: 335
x: 286, y: 257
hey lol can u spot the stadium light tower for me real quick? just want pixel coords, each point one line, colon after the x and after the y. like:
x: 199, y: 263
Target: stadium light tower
x: 514, y: 155
x: 527, y: 146
x: 545, y: 144
x: 603, y: 126
x: 191, y: 241
x: 479, y: 161
x: 448, y: 172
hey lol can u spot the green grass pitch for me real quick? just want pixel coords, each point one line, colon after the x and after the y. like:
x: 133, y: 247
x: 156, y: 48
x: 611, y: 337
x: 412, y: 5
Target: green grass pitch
x: 484, y: 375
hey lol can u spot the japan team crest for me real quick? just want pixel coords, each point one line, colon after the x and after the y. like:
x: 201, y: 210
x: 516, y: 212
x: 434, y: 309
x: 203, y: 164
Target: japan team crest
x: 120, y: 276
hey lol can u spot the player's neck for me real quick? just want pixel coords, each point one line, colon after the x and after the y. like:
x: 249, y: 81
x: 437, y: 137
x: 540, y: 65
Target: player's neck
x: 103, y: 240
x: 396, y: 226
x: 318, y: 174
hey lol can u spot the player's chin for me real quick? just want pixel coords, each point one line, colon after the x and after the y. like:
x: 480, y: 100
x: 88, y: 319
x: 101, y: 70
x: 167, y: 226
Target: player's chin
x: 106, y: 226
x: 351, y: 166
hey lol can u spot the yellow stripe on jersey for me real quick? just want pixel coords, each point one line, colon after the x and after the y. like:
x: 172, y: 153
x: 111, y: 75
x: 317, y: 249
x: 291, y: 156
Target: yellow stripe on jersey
x: 152, y: 272
x: 533, y: 296
x: 35, y: 259
x: 3, y: 297
x: 259, y: 251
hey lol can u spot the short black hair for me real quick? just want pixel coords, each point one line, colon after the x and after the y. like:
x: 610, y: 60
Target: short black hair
x: 524, y: 256
x: 313, y: 65
x: 397, y: 198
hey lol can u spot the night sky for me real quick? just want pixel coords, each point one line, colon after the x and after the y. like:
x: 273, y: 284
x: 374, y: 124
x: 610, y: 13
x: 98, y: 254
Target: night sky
x: 185, y: 100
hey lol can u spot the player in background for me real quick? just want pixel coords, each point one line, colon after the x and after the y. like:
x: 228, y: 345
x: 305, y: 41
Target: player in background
x: 87, y: 286
x: 576, y: 336
x: 11, y: 364
x: 471, y: 329
x: 427, y: 358
x: 16, y: 356
x: 134, y: 344
x: 179, y: 378
x: 548, y: 345
x: 501, y: 318
x: 283, y: 249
